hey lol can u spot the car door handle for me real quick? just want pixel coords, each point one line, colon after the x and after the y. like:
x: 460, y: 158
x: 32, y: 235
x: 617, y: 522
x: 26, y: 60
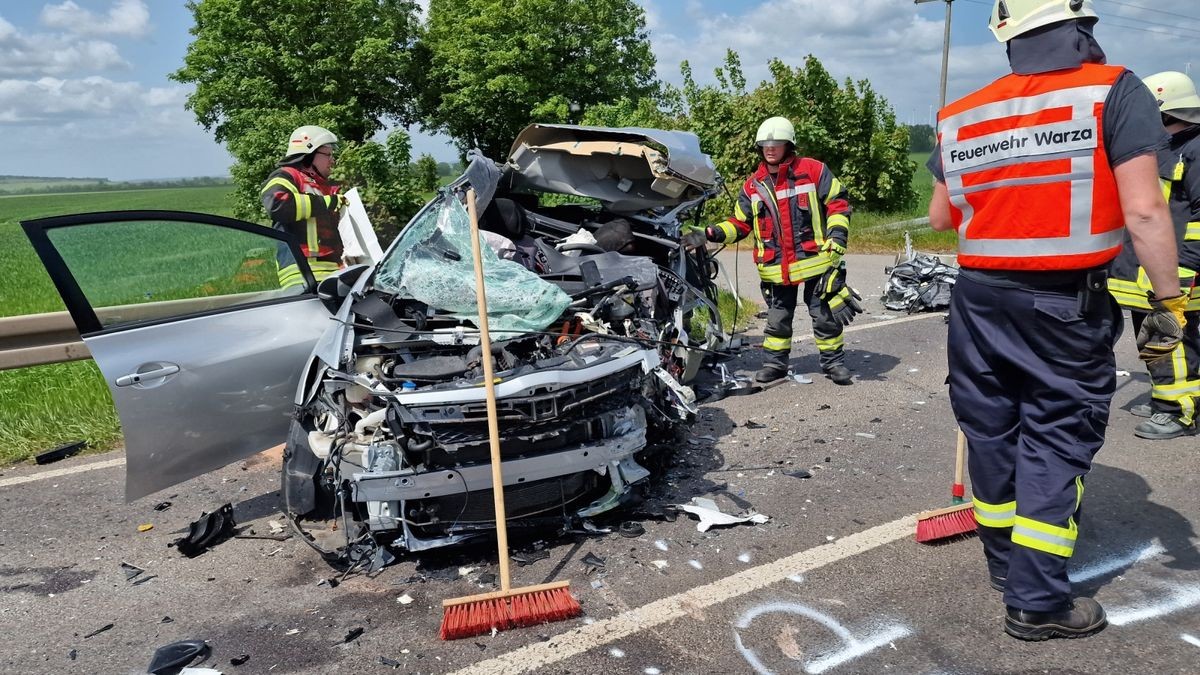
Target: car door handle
x: 138, y: 378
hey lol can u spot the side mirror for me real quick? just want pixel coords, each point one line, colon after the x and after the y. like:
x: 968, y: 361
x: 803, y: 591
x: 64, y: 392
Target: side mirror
x: 333, y: 289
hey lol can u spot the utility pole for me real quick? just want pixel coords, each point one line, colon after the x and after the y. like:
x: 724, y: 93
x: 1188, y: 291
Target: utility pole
x: 945, y: 48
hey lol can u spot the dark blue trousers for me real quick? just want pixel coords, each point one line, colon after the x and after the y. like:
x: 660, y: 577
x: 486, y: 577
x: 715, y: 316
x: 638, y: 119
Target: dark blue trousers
x: 1031, y: 380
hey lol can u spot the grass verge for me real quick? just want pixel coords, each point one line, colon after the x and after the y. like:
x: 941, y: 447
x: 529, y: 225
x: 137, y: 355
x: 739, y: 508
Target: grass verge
x: 45, y: 406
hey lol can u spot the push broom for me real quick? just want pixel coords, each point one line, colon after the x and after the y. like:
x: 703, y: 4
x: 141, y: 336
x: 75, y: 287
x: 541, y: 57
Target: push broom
x: 508, y: 607
x: 953, y: 521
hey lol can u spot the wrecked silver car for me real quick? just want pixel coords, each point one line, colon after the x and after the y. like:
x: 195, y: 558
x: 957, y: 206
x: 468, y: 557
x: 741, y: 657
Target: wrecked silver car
x: 599, y: 320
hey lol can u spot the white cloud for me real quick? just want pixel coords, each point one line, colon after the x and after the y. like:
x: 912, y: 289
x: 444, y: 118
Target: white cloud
x: 40, y: 54
x: 129, y: 18
x: 889, y: 43
x: 50, y: 101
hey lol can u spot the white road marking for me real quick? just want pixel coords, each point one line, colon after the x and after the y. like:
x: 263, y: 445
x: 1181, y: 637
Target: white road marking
x: 852, y: 647
x: 880, y: 324
x: 1190, y: 639
x: 1182, y: 597
x: 1109, y: 565
x: 575, y: 642
x: 55, y: 473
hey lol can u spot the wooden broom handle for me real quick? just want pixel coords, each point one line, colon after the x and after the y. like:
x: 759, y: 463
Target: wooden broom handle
x: 960, y: 457
x: 489, y: 386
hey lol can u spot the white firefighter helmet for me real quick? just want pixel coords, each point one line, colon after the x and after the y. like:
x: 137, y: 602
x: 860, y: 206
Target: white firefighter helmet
x: 307, y: 138
x: 1176, y: 95
x: 775, y: 129
x: 1011, y: 18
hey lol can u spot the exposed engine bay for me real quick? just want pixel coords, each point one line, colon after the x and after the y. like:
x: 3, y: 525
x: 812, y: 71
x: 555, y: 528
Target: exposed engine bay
x: 596, y: 333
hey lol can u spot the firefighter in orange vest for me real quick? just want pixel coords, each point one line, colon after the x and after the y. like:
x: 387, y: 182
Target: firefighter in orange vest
x: 1174, y: 382
x: 1039, y: 172
x: 799, y: 214
x: 301, y: 201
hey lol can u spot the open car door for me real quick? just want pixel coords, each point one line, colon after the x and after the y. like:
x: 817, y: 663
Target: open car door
x: 184, y: 314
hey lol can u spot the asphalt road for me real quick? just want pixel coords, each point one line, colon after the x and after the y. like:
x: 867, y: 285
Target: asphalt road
x: 832, y: 583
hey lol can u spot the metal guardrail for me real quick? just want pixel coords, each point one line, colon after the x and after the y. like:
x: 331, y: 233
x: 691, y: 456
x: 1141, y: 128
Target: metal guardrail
x: 38, y: 339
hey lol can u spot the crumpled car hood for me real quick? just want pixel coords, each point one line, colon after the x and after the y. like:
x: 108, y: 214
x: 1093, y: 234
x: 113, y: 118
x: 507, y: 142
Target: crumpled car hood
x: 627, y: 169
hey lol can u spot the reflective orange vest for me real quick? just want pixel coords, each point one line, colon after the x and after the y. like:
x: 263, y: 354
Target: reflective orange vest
x: 1028, y: 174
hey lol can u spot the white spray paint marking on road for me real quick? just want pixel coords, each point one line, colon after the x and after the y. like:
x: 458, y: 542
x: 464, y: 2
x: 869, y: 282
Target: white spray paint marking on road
x: 56, y: 473
x: 1182, y: 597
x: 852, y: 647
x: 1190, y: 639
x: 1110, y: 565
x: 872, y: 326
x: 579, y: 640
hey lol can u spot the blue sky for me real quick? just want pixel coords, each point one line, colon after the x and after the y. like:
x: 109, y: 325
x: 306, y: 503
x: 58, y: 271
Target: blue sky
x: 84, y: 88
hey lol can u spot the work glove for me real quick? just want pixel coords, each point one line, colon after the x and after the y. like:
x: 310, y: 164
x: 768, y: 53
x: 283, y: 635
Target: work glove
x: 845, y: 305
x: 832, y: 282
x: 1162, y: 329
x: 834, y: 250
x: 336, y: 202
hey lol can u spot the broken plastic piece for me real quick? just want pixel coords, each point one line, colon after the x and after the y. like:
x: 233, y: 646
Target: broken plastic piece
x: 524, y: 558
x: 799, y: 473
x: 353, y: 634
x: 593, y: 562
x: 239, y: 660
x: 162, y: 506
x: 709, y: 514
x: 631, y: 529
x: 802, y: 379
x: 61, y: 452
x: 751, y: 424
x: 210, y: 530
x: 131, y: 571
x: 107, y: 626
x: 405, y: 599
x: 170, y: 659
x: 145, y: 527
x: 391, y: 663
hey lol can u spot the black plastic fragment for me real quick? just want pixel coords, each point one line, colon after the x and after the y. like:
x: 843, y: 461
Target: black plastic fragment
x: 211, y: 529
x: 162, y: 506
x: 171, y: 658
x: 799, y: 473
x: 107, y: 626
x: 391, y: 663
x: 239, y: 660
x: 61, y: 452
x: 631, y: 529
x: 523, y: 558
x: 592, y: 562
x: 353, y: 634
x: 73, y: 654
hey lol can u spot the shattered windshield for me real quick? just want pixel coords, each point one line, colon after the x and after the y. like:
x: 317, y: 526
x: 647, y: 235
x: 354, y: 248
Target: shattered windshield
x: 432, y: 263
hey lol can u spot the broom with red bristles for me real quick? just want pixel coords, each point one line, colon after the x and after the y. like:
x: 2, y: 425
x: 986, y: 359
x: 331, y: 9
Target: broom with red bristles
x: 508, y: 607
x: 956, y: 520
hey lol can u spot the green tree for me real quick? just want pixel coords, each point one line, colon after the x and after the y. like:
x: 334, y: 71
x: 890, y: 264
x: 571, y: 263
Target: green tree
x: 921, y: 138
x: 494, y: 66
x: 387, y: 184
x: 263, y: 67
x: 847, y: 126
x: 427, y: 173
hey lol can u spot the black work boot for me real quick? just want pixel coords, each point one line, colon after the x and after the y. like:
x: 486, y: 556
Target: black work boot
x: 1085, y: 617
x: 769, y: 373
x: 997, y: 583
x: 839, y: 374
x: 1162, y: 426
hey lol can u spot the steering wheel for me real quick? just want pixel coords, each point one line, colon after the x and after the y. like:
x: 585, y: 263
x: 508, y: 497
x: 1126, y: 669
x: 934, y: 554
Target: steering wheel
x: 581, y: 246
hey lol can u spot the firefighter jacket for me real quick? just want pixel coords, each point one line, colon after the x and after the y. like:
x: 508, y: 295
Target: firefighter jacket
x: 303, y: 205
x: 1028, y: 174
x: 791, y: 215
x: 1180, y: 164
